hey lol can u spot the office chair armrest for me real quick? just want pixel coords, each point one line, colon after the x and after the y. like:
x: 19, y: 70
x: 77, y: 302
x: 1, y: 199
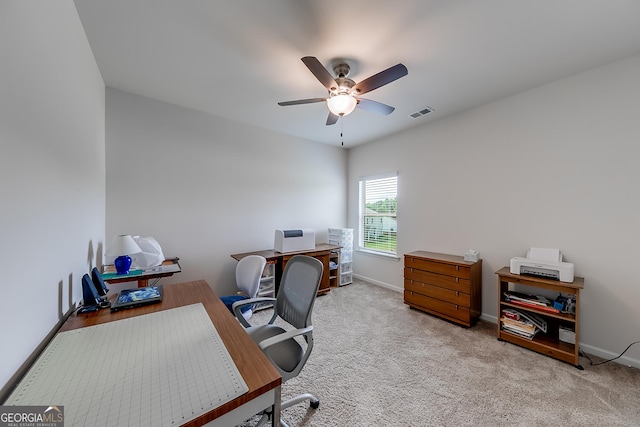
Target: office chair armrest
x: 284, y: 336
x: 236, y: 306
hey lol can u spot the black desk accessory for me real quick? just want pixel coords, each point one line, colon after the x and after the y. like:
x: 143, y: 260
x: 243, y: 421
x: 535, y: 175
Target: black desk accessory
x: 91, y: 301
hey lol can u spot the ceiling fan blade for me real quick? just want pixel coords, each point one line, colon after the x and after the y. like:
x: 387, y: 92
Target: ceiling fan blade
x: 332, y: 119
x: 320, y: 72
x: 375, y: 106
x: 302, y: 101
x: 381, y: 79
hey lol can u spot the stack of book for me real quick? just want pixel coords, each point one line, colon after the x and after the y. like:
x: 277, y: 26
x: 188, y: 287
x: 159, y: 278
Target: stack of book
x: 523, y: 324
x: 530, y: 301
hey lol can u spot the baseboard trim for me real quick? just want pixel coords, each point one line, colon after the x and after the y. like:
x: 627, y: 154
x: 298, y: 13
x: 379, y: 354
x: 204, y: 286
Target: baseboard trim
x: 489, y: 318
x: 591, y: 350
x: 379, y: 283
x: 606, y: 355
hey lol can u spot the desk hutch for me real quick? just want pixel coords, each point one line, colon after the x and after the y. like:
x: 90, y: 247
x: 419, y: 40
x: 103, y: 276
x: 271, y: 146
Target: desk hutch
x: 323, y: 251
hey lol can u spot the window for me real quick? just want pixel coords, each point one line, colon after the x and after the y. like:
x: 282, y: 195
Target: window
x: 377, y: 221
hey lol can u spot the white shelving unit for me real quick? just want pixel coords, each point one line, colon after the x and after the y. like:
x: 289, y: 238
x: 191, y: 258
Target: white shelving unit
x: 267, y: 284
x: 344, y: 238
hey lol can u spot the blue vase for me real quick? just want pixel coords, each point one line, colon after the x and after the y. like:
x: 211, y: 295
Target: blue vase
x: 122, y: 263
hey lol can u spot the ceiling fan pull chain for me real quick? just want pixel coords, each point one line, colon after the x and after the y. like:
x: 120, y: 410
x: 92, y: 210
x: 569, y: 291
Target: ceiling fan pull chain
x: 341, y: 130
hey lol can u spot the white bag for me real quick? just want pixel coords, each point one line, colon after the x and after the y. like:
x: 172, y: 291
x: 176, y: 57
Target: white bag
x: 151, y: 254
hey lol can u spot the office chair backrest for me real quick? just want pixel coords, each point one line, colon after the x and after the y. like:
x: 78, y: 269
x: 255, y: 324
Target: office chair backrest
x: 248, y: 274
x: 284, y: 346
x: 298, y: 289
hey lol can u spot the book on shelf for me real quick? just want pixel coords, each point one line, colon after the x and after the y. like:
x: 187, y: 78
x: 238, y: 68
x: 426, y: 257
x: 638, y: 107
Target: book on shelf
x: 518, y: 332
x: 523, y: 326
x: 514, y: 322
x: 540, y: 323
x: 533, y: 301
x: 511, y: 313
x: 522, y: 323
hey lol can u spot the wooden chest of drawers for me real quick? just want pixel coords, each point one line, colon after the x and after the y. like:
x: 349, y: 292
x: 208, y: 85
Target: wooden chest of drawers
x: 443, y: 285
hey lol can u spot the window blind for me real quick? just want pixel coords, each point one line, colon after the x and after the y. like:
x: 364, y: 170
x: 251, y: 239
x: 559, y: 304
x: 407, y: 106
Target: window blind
x: 377, y: 219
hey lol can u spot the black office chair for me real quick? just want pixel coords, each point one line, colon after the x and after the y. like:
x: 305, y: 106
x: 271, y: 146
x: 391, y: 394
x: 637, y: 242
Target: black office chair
x: 293, y: 304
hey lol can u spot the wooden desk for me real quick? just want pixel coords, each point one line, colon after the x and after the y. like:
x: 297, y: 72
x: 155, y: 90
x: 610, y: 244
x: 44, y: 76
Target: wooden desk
x: 261, y: 377
x: 168, y: 268
x: 322, y: 252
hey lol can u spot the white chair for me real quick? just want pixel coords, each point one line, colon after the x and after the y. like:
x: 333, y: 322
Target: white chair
x: 293, y: 304
x: 248, y: 274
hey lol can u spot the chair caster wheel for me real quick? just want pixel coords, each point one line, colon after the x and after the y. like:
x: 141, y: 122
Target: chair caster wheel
x: 315, y: 404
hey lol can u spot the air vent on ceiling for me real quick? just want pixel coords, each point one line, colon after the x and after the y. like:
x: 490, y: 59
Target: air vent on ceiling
x: 422, y: 112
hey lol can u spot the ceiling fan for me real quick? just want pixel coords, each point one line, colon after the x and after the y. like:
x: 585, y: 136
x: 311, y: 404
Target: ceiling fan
x: 344, y: 93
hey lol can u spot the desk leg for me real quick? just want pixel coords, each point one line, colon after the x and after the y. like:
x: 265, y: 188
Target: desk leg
x: 275, y: 421
x: 143, y: 283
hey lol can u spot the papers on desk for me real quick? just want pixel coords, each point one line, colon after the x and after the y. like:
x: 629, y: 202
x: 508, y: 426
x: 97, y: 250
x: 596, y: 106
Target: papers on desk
x: 159, y: 269
x: 113, y: 274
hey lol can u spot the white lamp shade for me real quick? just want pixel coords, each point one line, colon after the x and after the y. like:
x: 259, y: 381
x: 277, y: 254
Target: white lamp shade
x: 341, y: 105
x: 123, y: 245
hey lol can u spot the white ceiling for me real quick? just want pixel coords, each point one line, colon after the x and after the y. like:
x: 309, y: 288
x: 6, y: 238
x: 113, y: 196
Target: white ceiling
x: 238, y: 58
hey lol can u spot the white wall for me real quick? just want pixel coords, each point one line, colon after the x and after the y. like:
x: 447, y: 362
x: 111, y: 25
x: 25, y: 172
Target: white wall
x: 52, y: 172
x: 206, y: 187
x: 556, y: 166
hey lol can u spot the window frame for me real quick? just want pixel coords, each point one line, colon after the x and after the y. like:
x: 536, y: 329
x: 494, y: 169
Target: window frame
x: 362, y: 201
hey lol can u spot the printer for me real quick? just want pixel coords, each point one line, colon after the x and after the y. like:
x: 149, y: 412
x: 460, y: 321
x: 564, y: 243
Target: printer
x: 543, y: 262
x: 294, y: 240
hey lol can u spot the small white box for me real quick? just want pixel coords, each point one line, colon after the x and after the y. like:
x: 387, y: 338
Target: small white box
x: 566, y: 335
x: 471, y: 256
x: 295, y: 240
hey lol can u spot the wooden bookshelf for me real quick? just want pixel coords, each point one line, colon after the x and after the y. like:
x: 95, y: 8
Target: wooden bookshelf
x: 545, y: 343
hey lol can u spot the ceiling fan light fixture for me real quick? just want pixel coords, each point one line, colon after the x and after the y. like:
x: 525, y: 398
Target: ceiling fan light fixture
x: 341, y: 104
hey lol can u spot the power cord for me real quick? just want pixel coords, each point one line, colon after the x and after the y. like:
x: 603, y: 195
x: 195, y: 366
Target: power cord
x: 100, y: 303
x: 607, y: 361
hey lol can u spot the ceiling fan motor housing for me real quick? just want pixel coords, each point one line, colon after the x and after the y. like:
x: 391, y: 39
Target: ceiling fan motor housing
x: 344, y: 86
x: 341, y: 70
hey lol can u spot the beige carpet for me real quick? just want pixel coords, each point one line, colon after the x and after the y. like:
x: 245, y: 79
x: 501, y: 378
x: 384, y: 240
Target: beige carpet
x: 378, y: 363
